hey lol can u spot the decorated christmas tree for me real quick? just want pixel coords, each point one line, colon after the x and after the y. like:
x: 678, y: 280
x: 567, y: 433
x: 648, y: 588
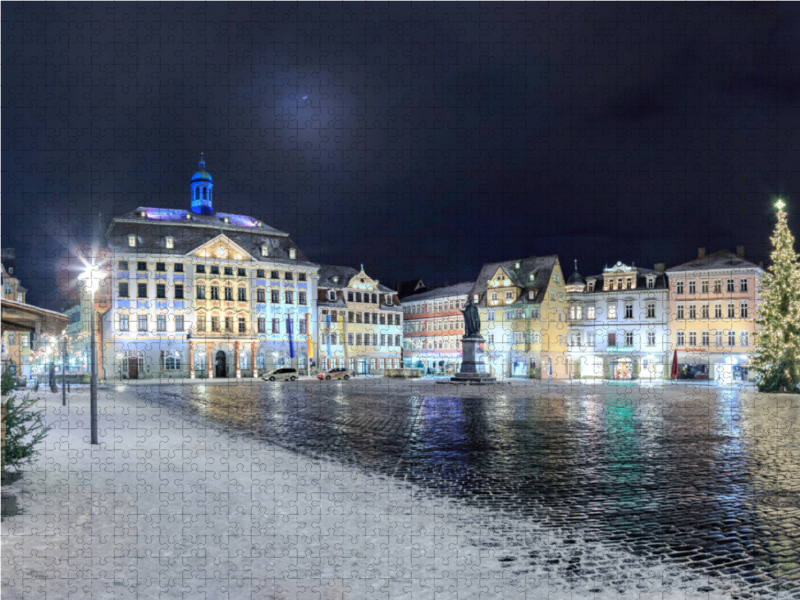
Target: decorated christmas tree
x: 778, y: 341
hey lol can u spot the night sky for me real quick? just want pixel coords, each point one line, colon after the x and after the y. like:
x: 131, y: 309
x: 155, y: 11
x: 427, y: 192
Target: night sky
x: 421, y: 140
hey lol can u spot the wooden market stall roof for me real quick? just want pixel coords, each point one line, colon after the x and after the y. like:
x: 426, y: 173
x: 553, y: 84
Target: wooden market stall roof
x: 18, y: 316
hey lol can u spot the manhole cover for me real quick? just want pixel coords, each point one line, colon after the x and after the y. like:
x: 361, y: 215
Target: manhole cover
x: 780, y: 499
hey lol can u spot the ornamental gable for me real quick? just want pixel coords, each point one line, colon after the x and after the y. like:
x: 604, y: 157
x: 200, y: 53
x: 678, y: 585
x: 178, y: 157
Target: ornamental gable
x: 221, y: 248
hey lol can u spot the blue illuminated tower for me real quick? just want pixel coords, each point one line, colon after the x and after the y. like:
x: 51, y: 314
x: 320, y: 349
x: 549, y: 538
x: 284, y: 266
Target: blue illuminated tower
x: 201, y: 190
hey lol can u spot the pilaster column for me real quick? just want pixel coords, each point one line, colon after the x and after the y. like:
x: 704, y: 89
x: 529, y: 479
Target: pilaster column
x: 253, y: 359
x: 191, y: 360
x: 209, y: 358
x: 236, y: 349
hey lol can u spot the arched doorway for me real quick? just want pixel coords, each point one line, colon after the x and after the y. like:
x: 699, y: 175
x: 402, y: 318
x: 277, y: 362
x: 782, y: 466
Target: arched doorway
x: 222, y: 367
x: 133, y: 364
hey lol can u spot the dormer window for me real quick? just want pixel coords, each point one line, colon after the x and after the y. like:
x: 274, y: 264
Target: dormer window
x: 188, y: 216
x: 516, y: 265
x: 531, y: 294
x: 651, y: 283
x: 264, y: 250
x: 142, y: 214
x: 336, y: 279
x: 132, y: 241
x: 475, y: 298
x: 292, y: 253
x: 388, y: 298
x: 531, y: 277
x: 169, y: 243
x: 331, y: 295
x: 225, y: 219
x: 590, y: 286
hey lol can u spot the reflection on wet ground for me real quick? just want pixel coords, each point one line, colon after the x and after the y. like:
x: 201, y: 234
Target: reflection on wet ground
x: 710, y: 478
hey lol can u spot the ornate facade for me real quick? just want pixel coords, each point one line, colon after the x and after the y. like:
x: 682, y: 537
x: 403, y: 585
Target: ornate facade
x: 197, y: 293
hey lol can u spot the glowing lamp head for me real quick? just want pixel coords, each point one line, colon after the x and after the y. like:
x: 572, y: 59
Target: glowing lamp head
x: 780, y: 204
x: 90, y: 278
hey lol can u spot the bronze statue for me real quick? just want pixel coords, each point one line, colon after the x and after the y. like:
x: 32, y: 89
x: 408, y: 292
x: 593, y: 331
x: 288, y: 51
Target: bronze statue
x: 472, y: 320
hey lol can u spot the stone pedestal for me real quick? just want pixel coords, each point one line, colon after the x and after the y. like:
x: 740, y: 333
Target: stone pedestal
x: 473, y: 369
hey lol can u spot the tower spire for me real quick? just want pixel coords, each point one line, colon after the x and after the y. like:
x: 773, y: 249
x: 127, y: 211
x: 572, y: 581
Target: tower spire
x: 201, y: 188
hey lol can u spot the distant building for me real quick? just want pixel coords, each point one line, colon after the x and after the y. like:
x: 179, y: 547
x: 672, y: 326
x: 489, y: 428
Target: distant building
x: 360, y: 322
x: 714, y: 302
x: 79, y: 334
x: 198, y: 293
x: 433, y: 329
x: 523, y: 311
x: 619, y: 324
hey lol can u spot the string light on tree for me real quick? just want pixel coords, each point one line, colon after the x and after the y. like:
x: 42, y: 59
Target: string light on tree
x: 778, y: 341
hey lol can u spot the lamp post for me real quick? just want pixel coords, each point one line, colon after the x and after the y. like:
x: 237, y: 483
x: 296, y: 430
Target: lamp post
x: 64, y: 368
x: 91, y: 280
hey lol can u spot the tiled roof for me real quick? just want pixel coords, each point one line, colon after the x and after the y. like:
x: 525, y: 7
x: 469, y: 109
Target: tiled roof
x: 541, y: 267
x: 447, y: 291
x: 641, y: 281
x: 723, y: 259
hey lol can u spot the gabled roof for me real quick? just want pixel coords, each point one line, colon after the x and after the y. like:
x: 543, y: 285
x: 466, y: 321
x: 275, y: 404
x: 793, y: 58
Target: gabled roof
x: 411, y: 287
x: 541, y: 267
x: 345, y: 274
x: 722, y: 259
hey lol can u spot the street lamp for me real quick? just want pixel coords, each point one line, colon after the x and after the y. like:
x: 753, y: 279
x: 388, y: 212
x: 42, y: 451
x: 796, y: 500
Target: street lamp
x: 64, y: 368
x: 91, y: 279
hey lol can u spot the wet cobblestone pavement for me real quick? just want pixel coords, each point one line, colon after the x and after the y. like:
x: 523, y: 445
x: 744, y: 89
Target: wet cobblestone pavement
x: 707, y: 477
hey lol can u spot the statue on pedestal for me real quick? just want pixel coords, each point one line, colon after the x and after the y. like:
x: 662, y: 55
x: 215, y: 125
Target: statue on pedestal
x: 472, y: 319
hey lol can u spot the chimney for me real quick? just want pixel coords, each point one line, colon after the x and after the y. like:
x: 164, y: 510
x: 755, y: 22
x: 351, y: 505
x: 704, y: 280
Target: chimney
x: 660, y: 267
x: 701, y: 253
x: 740, y: 251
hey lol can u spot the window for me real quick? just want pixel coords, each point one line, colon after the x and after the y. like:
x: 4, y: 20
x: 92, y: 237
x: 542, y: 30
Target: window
x: 214, y: 323
x: 201, y: 292
x: 132, y: 241
x: 679, y: 339
x: 274, y: 275
x: 552, y: 296
x: 731, y: 338
x: 241, y: 294
x: 475, y: 298
x: 142, y: 323
x: 692, y: 311
x: 651, y: 338
x: 241, y: 273
x: 228, y: 271
x: 358, y: 317
x: 261, y: 296
x: 629, y: 310
x: 509, y: 315
x: 590, y: 312
x: 729, y: 286
x: 679, y: 287
x: 141, y: 266
x: 262, y: 325
x: 743, y: 285
x: 518, y: 337
x: 287, y: 275
x: 178, y: 267
x: 331, y: 295
x: 200, y: 269
x: 679, y: 311
x: 260, y: 273
x: 718, y: 339
x: 161, y: 290
x: 358, y: 339
x: 493, y: 296
x: 612, y: 311
x: 302, y: 277
x: 124, y: 324
x: 744, y: 339
x: 161, y: 267
x: 590, y: 340
x: 651, y: 283
x: 276, y: 325
x: 229, y: 324
x: 161, y: 322
x: 744, y: 309
x: 275, y: 296
x: 242, y: 325
x: 704, y: 310
x: 375, y: 299
x: 717, y: 311
x: 509, y: 296
x: 123, y: 265
x: 490, y: 316
x: 349, y: 339
x: 692, y: 287
x: 214, y: 270
x: 704, y: 286
x: 141, y: 290
x: 717, y: 286
x: 215, y: 292
x: 178, y: 291
x: 612, y: 340
x: 172, y: 362
x: 301, y: 327
x: 692, y: 339
x: 628, y: 339
x: 397, y: 340
x: 591, y: 286
x: 731, y: 310
x: 289, y: 297
x: 292, y: 253
x: 264, y: 250
x: 705, y: 339
x: 651, y: 310
x: 123, y: 289
x: 201, y: 322
x: 178, y: 323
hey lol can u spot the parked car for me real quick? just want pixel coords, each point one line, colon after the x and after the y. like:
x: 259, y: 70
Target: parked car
x: 336, y: 374
x: 283, y: 374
